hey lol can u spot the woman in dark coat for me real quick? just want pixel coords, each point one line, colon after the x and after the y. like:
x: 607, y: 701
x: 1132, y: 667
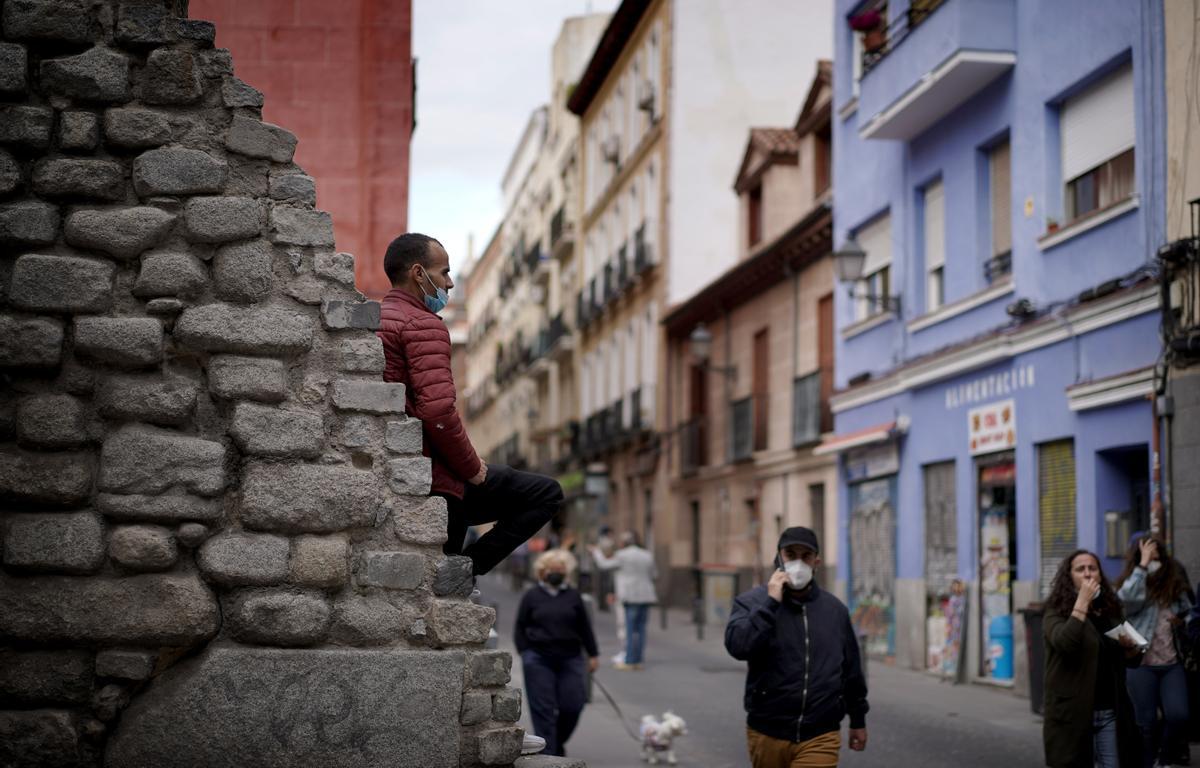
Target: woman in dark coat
x: 552, y: 633
x: 1089, y: 718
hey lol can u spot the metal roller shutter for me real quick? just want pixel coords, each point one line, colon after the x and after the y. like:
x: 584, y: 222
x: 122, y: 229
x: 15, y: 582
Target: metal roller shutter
x: 1056, y: 506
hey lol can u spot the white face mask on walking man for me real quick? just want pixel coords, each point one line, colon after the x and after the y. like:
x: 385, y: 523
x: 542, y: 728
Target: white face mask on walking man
x: 799, y: 573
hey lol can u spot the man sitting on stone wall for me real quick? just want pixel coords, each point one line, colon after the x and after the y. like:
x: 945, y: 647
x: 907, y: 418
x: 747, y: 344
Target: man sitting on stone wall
x: 416, y: 344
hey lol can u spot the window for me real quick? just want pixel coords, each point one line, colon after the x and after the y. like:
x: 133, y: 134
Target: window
x: 1097, y: 132
x: 806, y: 409
x: 998, y: 264
x: 876, y: 239
x: 934, y: 233
x: 761, y: 388
x: 822, y: 145
x: 755, y: 213
x: 1101, y: 187
x: 1000, y: 189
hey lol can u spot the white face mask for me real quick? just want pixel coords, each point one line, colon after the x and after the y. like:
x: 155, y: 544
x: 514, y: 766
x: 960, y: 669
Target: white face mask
x: 799, y: 573
x: 1153, y: 566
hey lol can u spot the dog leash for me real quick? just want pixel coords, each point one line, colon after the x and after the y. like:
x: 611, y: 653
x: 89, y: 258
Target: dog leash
x: 620, y: 714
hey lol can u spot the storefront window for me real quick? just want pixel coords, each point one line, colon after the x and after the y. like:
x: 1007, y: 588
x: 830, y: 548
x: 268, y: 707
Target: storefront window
x: 997, y: 559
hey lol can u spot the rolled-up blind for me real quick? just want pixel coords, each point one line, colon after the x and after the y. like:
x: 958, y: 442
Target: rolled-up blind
x: 876, y: 239
x: 1098, y: 124
x: 935, y: 226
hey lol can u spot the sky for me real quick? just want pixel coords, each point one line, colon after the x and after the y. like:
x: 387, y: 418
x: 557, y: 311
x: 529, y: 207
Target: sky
x: 482, y: 67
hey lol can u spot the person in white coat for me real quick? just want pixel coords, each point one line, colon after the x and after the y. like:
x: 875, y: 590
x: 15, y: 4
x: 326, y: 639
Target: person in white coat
x: 635, y: 575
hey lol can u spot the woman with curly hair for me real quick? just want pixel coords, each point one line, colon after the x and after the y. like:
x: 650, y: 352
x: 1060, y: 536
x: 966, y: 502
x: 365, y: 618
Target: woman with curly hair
x: 1089, y: 718
x: 1157, y: 597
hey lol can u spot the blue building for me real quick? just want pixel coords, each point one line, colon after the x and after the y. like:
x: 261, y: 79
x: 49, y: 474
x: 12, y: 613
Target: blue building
x: 999, y: 169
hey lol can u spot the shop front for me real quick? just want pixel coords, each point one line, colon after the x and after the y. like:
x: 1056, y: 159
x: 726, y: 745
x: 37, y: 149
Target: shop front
x: 1003, y: 470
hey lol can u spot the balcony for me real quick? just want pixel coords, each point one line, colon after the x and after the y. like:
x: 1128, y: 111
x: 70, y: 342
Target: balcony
x: 643, y: 255
x: 562, y: 233
x: 808, y: 412
x: 636, y: 426
x: 610, y: 284
x: 693, y: 440
x: 582, y: 310
x: 534, y: 257
x: 937, y: 54
x: 741, y: 436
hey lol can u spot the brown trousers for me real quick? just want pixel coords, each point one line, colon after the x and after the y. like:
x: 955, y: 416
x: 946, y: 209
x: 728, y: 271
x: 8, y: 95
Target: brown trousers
x: 818, y: 752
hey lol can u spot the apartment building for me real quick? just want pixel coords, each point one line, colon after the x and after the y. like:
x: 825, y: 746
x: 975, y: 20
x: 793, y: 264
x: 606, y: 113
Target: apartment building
x: 521, y: 351
x: 998, y: 188
x: 1180, y: 262
x: 665, y: 103
x: 750, y: 369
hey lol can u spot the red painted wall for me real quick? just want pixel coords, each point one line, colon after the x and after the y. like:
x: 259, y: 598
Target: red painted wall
x: 338, y: 74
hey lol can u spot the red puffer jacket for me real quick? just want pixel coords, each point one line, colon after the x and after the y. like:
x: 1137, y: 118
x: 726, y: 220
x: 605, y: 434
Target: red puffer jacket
x: 416, y: 345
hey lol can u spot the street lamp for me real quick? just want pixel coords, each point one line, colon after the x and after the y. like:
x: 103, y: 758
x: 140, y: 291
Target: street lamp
x: 700, y: 343
x: 848, y: 264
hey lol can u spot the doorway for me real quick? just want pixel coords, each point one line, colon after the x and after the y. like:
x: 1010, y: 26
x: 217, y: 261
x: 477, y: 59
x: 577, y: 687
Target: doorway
x: 997, y: 506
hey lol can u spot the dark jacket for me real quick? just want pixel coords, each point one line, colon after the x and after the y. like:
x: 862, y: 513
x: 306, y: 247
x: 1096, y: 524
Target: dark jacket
x: 804, y: 672
x: 554, y: 625
x: 416, y: 346
x: 1072, y: 653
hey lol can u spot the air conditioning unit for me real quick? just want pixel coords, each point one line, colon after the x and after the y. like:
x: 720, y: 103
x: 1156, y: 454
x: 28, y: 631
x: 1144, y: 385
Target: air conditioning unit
x: 645, y: 96
x: 611, y: 149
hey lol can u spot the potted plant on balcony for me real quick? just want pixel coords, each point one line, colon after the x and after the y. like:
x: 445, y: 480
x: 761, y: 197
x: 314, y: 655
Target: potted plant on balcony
x: 870, y: 23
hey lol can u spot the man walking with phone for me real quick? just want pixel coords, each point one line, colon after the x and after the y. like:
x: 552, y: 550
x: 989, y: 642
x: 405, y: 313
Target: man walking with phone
x: 805, y: 673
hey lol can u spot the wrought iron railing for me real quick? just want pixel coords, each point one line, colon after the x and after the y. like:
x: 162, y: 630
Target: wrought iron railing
x: 558, y: 226
x: 741, y: 435
x: 643, y: 256
x: 693, y: 453
x: 895, y: 33
x: 806, y: 409
x: 997, y: 267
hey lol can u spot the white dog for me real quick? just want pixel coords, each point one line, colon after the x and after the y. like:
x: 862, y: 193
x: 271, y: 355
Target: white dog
x: 658, y: 735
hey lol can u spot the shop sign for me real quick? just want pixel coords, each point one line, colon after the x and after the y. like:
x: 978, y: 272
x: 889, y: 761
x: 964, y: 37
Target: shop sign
x: 992, y: 427
x: 872, y: 461
x: 985, y: 388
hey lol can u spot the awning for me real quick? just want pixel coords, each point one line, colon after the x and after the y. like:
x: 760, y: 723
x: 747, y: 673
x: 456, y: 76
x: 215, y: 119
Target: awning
x: 880, y: 433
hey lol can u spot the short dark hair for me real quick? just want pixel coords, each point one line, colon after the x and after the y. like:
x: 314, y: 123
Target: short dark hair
x: 406, y: 250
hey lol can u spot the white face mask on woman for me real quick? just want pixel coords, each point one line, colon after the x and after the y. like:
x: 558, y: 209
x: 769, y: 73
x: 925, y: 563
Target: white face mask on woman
x: 799, y: 573
x: 1153, y: 567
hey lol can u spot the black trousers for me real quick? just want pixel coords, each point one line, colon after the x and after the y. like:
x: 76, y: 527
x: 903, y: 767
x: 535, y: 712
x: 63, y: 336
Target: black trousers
x: 519, y: 503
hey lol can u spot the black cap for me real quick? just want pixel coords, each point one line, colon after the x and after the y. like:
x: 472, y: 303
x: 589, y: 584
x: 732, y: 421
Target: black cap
x: 799, y: 535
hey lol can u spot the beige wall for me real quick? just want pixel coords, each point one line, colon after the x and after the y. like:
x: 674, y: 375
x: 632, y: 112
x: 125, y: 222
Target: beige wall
x: 1183, y: 129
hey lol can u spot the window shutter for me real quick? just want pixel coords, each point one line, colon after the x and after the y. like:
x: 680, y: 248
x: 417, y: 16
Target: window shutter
x: 1098, y: 124
x: 876, y: 239
x: 935, y: 226
x: 1056, y: 506
x: 941, y: 529
x: 1000, y: 181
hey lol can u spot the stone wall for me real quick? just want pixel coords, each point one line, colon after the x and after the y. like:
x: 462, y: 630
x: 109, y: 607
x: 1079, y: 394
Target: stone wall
x: 217, y: 543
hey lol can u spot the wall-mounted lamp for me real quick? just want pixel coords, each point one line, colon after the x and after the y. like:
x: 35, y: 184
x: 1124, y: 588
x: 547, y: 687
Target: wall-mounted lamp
x: 700, y: 345
x: 848, y: 265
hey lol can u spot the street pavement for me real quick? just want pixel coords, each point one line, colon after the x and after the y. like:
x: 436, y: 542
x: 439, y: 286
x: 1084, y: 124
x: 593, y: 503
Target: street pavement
x: 915, y: 719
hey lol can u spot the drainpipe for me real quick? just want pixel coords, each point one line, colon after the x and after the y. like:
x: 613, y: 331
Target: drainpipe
x: 1157, y: 521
